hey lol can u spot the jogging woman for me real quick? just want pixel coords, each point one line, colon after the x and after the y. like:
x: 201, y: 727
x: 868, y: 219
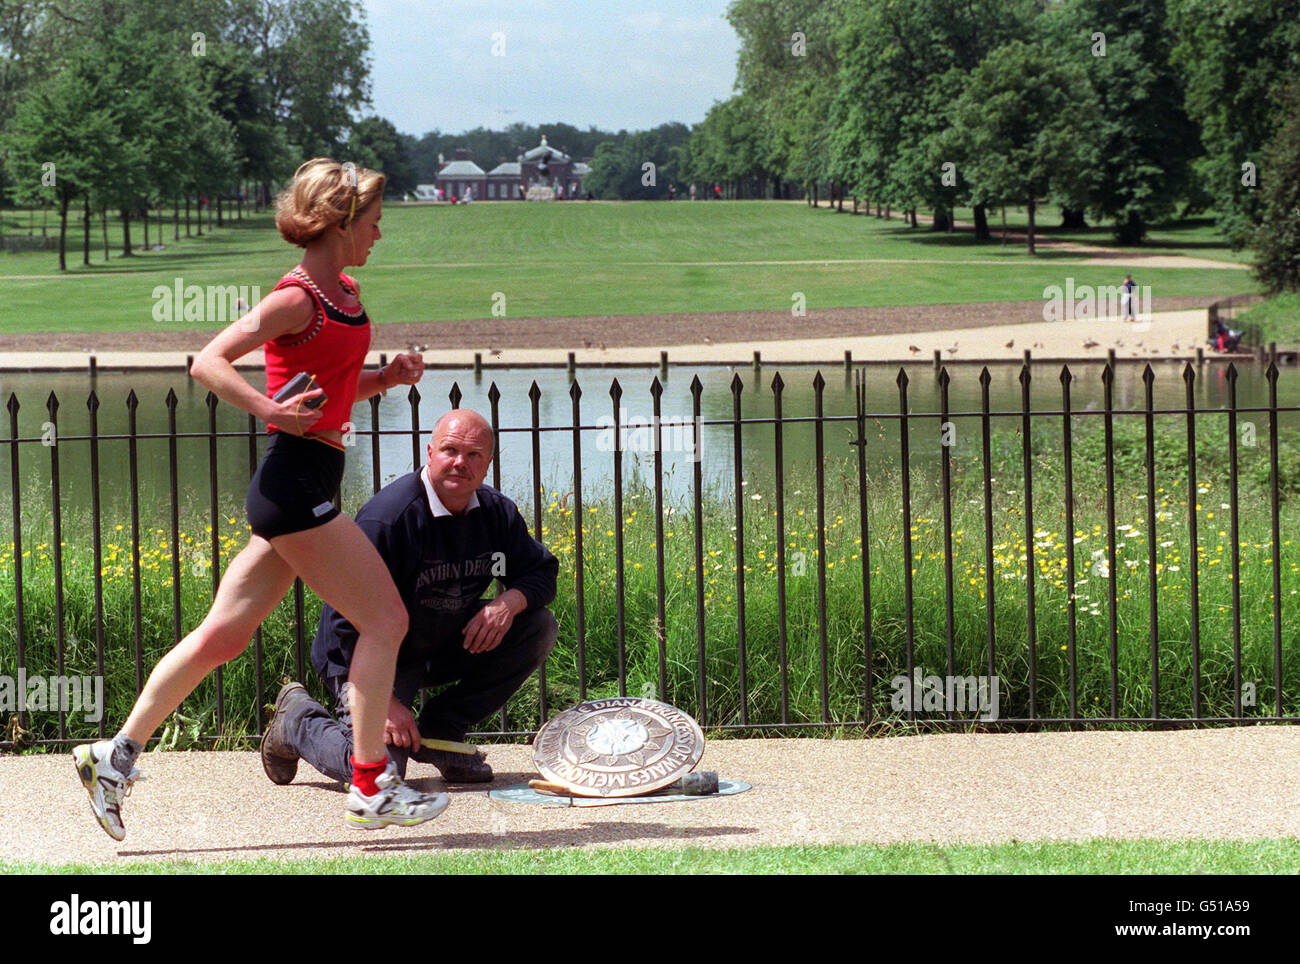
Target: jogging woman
x: 311, y: 322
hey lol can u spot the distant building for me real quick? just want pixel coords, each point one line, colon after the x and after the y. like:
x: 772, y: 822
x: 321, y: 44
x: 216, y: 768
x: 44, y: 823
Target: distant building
x: 540, y: 172
x: 503, y: 182
x: 457, y: 175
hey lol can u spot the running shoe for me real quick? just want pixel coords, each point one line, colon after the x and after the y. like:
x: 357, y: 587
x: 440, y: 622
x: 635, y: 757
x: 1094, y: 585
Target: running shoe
x: 395, y: 803
x: 107, y: 786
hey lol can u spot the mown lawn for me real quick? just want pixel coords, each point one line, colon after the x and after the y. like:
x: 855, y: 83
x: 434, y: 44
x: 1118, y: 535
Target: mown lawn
x: 444, y: 263
x: 1058, y: 857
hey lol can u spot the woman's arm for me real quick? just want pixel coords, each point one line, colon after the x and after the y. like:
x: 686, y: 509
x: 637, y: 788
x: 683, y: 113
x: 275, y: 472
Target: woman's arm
x: 372, y: 382
x: 281, y: 312
x: 406, y: 369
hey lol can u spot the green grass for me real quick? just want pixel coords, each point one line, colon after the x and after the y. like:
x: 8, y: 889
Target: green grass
x: 445, y: 263
x: 1084, y: 857
x: 1278, y: 319
x: 1193, y: 236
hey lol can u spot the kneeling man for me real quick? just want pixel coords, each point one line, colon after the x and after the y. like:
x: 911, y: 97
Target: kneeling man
x: 444, y: 536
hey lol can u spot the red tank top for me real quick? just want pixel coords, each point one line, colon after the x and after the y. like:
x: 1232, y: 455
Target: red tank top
x: 333, y: 349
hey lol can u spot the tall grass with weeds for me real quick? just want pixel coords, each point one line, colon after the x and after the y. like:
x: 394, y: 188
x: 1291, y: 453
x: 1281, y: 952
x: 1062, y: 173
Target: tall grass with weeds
x: 766, y: 700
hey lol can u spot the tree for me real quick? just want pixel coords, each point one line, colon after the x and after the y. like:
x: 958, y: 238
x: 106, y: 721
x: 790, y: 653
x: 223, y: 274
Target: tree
x: 903, y: 64
x: 789, y: 53
x: 1277, y: 239
x: 729, y: 146
x: 1022, y: 127
x: 609, y: 169
x: 1233, y: 56
x: 1146, y: 140
x: 237, y: 93
x: 28, y: 55
x: 207, y: 91
x: 640, y: 166
x: 170, y: 134
x: 312, y: 56
x: 62, y: 135
x: 375, y: 143
x: 20, y: 63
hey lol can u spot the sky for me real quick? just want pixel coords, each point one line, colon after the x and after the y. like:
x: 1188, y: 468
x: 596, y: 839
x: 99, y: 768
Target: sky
x: 612, y: 64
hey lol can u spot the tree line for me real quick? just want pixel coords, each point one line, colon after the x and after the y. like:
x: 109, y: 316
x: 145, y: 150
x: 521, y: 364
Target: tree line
x: 123, y: 107
x: 129, y: 105
x: 1129, y: 111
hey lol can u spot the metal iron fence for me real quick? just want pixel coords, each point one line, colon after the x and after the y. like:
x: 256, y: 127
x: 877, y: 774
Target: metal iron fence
x: 866, y: 649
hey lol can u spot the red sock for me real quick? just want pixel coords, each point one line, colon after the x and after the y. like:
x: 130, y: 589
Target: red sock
x: 365, y: 774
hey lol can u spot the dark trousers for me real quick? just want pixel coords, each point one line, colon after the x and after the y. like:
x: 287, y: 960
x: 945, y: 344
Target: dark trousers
x: 481, y: 684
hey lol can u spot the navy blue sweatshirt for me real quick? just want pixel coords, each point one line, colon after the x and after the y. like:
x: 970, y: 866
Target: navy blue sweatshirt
x: 441, y: 566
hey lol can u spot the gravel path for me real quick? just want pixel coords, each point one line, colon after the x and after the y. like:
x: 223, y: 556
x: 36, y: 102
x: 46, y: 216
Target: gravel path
x: 1232, y: 783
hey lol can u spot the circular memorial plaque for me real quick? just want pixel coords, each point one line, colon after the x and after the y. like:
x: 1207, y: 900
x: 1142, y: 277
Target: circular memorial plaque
x: 618, y: 747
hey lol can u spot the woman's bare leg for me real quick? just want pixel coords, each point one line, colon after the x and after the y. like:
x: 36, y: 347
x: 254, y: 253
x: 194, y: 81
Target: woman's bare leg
x: 342, y: 567
x: 251, y: 587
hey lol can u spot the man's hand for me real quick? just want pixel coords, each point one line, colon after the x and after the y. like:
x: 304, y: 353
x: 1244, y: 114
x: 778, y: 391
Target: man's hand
x: 400, y: 729
x: 484, y: 632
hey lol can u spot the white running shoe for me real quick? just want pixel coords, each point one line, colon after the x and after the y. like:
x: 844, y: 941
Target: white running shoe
x: 395, y: 803
x: 107, y: 786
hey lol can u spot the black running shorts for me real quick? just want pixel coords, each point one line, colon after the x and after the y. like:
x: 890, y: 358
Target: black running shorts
x: 294, y: 487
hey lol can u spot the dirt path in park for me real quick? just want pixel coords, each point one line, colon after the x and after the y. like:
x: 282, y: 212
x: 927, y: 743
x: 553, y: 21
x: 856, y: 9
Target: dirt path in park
x: 1231, y: 783
x: 613, y: 331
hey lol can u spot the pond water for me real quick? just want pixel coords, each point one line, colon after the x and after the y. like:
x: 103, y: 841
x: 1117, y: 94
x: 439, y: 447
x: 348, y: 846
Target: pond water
x: 555, y: 410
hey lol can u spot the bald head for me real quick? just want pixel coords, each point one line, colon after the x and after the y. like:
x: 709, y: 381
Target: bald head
x: 462, y: 421
x: 460, y: 451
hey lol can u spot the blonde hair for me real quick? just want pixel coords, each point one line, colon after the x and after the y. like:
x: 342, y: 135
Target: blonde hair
x: 324, y: 194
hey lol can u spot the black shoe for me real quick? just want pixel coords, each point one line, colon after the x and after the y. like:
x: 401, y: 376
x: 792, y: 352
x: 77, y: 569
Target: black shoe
x: 278, y: 760
x: 456, y: 767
